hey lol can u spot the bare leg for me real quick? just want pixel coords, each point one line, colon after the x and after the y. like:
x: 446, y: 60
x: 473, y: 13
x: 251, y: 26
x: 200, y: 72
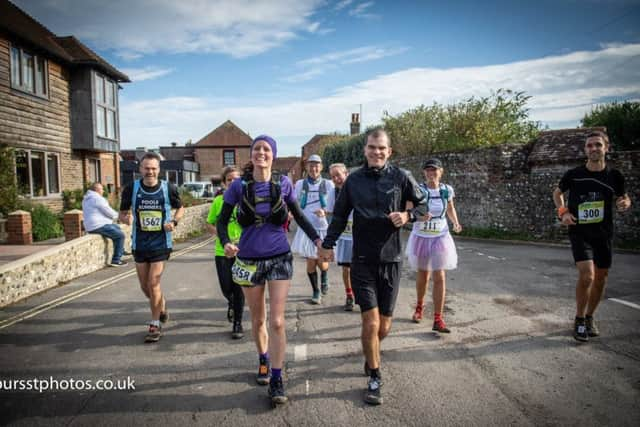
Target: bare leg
x: 153, y: 285
x: 254, y: 298
x: 583, y: 286
x: 422, y: 284
x: 371, y: 337
x: 278, y: 291
x: 597, y: 289
x: 143, y: 277
x: 439, y: 290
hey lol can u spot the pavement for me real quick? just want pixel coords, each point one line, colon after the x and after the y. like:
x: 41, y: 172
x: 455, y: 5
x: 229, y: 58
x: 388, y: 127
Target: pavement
x: 510, y: 359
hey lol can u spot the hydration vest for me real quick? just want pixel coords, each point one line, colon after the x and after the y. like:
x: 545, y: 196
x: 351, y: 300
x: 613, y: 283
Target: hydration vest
x: 322, y: 193
x: 444, y: 196
x: 247, y: 213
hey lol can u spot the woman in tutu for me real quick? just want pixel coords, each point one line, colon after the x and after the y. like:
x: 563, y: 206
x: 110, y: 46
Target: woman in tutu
x: 430, y: 249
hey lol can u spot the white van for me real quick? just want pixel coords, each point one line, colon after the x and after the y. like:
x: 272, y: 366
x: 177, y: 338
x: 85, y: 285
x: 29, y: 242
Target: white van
x: 199, y: 189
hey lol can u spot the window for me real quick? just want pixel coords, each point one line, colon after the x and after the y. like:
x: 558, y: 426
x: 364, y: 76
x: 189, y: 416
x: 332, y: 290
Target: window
x: 94, y: 170
x: 28, y: 72
x: 37, y: 173
x: 106, y: 107
x: 229, y: 157
x: 172, y: 177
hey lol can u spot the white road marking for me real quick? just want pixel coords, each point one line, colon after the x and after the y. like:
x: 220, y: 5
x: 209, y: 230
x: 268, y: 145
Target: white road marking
x: 300, y: 353
x: 86, y: 291
x: 627, y: 303
x: 306, y: 384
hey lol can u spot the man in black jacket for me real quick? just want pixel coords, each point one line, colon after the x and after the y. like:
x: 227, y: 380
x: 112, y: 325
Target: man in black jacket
x: 378, y: 194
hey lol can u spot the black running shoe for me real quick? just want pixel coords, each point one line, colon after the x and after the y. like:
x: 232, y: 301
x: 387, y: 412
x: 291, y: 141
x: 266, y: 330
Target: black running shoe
x: 592, y: 328
x: 276, y: 392
x: 237, y: 332
x: 264, y: 373
x: 373, y: 396
x: 580, y: 330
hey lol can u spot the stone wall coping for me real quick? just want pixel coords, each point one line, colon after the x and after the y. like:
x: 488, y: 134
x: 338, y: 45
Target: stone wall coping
x: 19, y: 212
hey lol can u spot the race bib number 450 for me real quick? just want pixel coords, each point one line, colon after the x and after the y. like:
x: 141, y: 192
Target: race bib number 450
x: 243, y: 272
x: 151, y: 220
x: 591, y: 212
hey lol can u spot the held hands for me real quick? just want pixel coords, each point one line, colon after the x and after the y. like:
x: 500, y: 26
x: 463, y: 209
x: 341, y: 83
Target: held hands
x: 325, y: 255
x: 126, y: 218
x: 230, y: 250
x: 426, y: 217
x: 398, y: 218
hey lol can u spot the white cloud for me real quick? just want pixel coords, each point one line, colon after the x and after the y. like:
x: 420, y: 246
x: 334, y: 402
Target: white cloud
x: 238, y: 28
x: 360, y: 11
x: 146, y: 73
x: 342, y: 4
x: 318, y: 65
x: 562, y: 87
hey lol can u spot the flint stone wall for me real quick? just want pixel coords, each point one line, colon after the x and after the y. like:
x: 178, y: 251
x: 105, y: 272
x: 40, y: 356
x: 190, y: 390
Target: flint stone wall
x: 43, y: 270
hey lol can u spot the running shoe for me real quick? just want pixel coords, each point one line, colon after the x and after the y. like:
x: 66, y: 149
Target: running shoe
x: 348, y: 306
x: 373, y: 396
x: 276, y: 392
x: 316, y: 298
x: 118, y: 263
x: 440, y: 326
x: 154, y: 334
x: 592, y: 328
x: 264, y: 373
x: 580, y: 331
x: 325, y: 288
x: 417, y: 316
x: 164, y: 315
x: 237, y: 332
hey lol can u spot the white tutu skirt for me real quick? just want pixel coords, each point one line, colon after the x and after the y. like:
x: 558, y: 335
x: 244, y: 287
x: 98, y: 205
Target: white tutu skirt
x: 432, y: 253
x: 344, y: 251
x: 303, y: 246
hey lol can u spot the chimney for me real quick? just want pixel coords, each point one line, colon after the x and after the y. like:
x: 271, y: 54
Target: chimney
x: 355, y: 124
x: 174, y: 144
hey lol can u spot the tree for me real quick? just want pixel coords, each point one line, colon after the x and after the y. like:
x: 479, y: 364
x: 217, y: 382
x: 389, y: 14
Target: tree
x: 622, y: 121
x: 8, y: 185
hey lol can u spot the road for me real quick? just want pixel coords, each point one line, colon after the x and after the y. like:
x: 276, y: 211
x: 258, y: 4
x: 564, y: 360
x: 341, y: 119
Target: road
x: 510, y: 360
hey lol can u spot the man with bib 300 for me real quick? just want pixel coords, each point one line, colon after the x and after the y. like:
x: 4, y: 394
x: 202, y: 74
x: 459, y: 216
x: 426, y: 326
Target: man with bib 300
x: 150, y: 201
x: 589, y: 215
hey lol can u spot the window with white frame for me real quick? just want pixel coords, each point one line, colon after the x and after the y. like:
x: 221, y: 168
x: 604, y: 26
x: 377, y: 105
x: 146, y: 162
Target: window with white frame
x: 106, y: 107
x: 229, y: 157
x: 29, y: 72
x: 37, y: 173
x: 95, y: 174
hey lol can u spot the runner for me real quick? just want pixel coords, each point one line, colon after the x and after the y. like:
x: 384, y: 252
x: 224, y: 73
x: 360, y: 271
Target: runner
x: 430, y: 248
x: 231, y: 290
x: 344, y: 247
x: 589, y: 216
x: 263, y: 256
x: 377, y: 194
x: 150, y: 201
x: 316, y: 197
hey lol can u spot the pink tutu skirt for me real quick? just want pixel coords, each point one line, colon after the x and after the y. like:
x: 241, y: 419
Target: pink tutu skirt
x: 432, y: 253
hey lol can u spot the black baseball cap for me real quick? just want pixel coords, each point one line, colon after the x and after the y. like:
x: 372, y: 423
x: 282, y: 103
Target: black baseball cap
x: 432, y: 163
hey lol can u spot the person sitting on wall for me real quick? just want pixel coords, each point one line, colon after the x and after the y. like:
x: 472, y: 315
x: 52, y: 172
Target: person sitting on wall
x: 98, y: 219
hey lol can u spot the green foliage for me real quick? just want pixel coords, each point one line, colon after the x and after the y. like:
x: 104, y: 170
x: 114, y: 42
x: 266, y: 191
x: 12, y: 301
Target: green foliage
x: 622, y: 121
x: 72, y: 199
x: 186, y: 197
x: 8, y: 185
x: 349, y: 150
x: 45, y: 224
x: 502, y: 117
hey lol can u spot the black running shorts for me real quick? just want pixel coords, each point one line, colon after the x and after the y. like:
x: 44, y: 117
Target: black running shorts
x: 596, y: 248
x: 143, y: 257
x: 376, y: 285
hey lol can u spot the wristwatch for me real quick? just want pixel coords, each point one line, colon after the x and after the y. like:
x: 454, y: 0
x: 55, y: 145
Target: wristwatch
x: 175, y: 222
x: 412, y: 216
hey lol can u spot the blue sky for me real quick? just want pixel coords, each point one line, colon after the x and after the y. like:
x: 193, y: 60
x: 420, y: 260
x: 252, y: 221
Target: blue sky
x: 294, y: 68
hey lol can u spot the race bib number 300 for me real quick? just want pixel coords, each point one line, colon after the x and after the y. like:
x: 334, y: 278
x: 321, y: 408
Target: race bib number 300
x: 591, y: 212
x: 243, y: 272
x: 151, y: 220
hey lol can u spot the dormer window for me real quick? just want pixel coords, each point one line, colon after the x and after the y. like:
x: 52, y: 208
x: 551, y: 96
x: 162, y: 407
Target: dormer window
x: 106, y: 107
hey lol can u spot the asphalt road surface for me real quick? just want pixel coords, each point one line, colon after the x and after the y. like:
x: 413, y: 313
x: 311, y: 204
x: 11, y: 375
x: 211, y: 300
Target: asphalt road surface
x: 510, y: 359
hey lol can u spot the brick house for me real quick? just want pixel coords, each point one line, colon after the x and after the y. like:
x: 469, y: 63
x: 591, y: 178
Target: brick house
x: 223, y: 146
x: 59, y: 110
x: 289, y: 166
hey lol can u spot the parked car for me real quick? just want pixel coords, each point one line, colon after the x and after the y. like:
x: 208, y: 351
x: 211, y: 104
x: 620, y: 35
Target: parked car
x: 199, y: 189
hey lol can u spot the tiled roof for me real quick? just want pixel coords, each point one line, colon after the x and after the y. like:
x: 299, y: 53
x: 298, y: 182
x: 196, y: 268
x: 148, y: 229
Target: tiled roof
x: 560, y: 145
x: 225, y: 135
x: 285, y: 163
x: 17, y: 23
